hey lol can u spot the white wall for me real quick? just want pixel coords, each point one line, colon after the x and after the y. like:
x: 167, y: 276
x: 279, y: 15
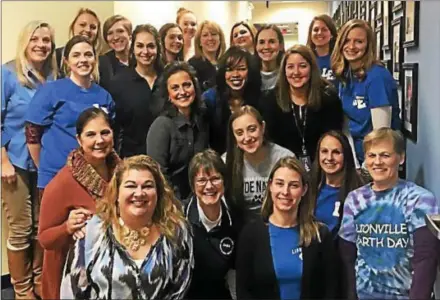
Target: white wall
x: 301, y: 12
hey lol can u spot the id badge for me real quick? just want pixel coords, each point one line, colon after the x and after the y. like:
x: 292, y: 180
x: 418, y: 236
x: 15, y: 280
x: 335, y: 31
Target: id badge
x: 305, y: 159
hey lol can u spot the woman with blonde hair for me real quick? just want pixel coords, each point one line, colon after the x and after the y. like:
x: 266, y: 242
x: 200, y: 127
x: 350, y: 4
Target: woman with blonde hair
x: 367, y: 89
x: 34, y: 65
x: 187, y: 21
x: 137, y: 246
x: 117, y: 34
x: 321, y: 39
x: 243, y: 36
x: 286, y: 254
x: 210, y: 45
x: 304, y: 105
x: 85, y: 23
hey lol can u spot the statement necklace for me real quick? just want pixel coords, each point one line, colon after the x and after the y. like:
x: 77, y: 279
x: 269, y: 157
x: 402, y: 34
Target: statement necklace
x: 134, y: 239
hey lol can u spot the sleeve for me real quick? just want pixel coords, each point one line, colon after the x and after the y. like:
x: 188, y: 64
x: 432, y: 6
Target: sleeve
x: 183, y: 266
x: 346, y: 131
x: 348, y: 254
x: 43, y: 106
x: 52, y: 231
x: 381, y: 117
x: 243, y: 265
x: 379, y: 92
x: 7, y: 91
x: 158, y: 143
x: 75, y: 280
x: 426, y: 204
x: 347, y: 231
x: 424, y: 263
x: 329, y: 263
x: 111, y: 106
x: 33, y: 133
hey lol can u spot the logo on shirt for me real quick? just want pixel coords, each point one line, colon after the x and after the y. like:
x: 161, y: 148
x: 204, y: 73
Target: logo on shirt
x: 327, y: 74
x: 101, y: 107
x: 298, y: 251
x: 226, y: 246
x: 336, y: 210
x: 359, y: 102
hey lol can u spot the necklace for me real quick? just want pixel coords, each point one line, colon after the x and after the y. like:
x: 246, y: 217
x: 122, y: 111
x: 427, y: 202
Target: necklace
x: 134, y: 239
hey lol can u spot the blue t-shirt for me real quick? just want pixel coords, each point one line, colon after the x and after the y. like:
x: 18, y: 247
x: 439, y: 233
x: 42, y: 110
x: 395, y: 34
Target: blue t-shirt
x: 56, y: 106
x: 324, y: 63
x: 327, y: 206
x: 287, y: 260
x: 382, y: 225
x: 377, y: 89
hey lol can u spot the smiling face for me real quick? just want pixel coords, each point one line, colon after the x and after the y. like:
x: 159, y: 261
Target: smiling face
x: 242, y: 37
x: 355, y: 45
x: 145, y: 49
x: 236, y: 75
x: 248, y: 133
x: 174, y: 40
x: 297, y: 71
x: 286, y: 190
x: 181, y: 90
x: 81, y: 60
x: 188, y: 23
x: 321, y: 34
x: 137, y: 196
x: 331, y: 156
x: 118, y: 38
x: 383, y: 163
x: 268, y: 45
x: 209, y: 40
x: 39, y: 46
x: 208, y: 187
x: 86, y: 25
x: 96, y: 140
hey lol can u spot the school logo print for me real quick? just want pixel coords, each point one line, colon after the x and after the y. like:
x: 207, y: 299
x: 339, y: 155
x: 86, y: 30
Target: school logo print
x: 359, y: 102
x: 226, y: 246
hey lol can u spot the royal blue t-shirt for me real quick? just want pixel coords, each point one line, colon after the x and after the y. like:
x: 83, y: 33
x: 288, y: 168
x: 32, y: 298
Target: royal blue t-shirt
x: 327, y: 206
x: 56, y: 106
x: 377, y: 89
x: 287, y: 260
x: 324, y: 63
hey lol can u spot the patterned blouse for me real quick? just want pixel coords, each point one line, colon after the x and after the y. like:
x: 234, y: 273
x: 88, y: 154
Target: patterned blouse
x: 99, y: 267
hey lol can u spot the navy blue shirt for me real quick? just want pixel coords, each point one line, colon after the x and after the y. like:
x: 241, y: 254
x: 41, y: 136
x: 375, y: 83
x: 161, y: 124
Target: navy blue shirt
x: 56, y: 106
x: 15, y: 105
x: 287, y: 260
x: 377, y: 89
x: 327, y: 206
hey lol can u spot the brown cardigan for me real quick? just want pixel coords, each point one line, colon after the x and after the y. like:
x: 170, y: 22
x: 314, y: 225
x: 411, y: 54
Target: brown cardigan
x: 76, y: 185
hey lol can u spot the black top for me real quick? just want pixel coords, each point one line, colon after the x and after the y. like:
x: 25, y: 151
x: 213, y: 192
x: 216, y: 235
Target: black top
x: 256, y: 278
x: 172, y: 141
x: 283, y: 130
x: 109, y: 66
x: 205, y: 72
x: 214, y: 253
x: 59, y: 58
x: 137, y: 105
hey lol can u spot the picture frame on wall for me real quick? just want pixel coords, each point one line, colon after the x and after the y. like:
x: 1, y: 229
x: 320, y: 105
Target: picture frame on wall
x: 397, y: 5
x: 410, y: 100
x: 379, y: 8
x: 386, y: 25
x: 378, y: 33
x: 412, y: 13
x: 372, y: 19
x: 397, y: 51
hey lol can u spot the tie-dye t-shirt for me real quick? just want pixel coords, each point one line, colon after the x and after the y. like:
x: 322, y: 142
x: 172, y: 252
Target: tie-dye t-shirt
x: 382, y: 225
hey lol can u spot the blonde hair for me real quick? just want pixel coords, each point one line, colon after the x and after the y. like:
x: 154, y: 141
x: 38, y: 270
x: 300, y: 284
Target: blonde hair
x: 385, y: 134
x: 97, y: 43
x: 314, y: 85
x: 338, y: 61
x: 50, y: 65
x: 181, y: 12
x: 168, y: 215
x: 212, y: 26
x: 308, y: 227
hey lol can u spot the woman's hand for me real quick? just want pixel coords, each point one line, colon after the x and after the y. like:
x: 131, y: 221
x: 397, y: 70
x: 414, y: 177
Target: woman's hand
x: 8, y: 172
x: 77, y: 219
x: 79, y: 234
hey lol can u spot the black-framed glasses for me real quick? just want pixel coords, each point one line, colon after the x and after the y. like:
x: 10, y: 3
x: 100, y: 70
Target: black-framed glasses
x: 202, y: 181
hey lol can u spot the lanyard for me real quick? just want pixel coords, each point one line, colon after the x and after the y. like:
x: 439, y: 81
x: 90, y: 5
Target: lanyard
x: 302, y: 133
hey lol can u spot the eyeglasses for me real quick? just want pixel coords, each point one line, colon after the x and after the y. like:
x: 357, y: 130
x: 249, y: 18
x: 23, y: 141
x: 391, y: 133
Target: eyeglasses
x: 214, y: 181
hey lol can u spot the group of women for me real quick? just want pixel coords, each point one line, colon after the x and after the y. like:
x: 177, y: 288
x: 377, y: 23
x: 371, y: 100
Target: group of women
x: 171, y: 167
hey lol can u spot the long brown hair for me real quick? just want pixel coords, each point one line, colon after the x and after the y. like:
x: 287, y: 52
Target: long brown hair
x: 350, y: 178
x: 338, y: 61
x: 328, y: 21
x: 168, y: 215
x: 308, y: 227
x: 314, y: 85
